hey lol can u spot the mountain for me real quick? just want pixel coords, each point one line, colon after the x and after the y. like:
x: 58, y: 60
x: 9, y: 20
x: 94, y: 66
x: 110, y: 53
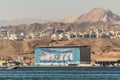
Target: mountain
x: 97, y: 18
x: 22, y: 21
x: 98, y: 14
x: 95, y: 15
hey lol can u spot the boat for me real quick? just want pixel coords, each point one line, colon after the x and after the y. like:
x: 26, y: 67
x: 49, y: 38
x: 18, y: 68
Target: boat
x: 12, y: 67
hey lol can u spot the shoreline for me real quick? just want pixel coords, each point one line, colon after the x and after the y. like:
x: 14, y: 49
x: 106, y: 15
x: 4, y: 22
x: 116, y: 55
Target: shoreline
x: 67, y: 66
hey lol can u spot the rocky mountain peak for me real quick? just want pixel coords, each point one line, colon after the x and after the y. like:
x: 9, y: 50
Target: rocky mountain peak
x: 97, y: 10
x: 98, y: 14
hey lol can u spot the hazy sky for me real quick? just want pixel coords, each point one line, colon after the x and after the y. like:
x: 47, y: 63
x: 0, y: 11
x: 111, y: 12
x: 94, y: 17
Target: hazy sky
x: 52, y: 9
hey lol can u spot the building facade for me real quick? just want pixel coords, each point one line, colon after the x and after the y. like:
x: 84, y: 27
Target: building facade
x: 62, y: 56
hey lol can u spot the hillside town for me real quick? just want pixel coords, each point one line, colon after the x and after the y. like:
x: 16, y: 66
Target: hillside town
x: 59, y: 34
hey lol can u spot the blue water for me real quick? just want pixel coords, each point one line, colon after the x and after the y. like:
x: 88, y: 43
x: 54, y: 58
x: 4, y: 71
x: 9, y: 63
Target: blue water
x: 60, y: 74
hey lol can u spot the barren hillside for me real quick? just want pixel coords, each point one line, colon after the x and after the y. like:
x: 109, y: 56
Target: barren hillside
x: 101, y: 49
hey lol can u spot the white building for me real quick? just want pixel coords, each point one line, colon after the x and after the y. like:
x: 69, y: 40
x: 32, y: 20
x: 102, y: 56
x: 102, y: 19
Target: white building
x: 4, y: 33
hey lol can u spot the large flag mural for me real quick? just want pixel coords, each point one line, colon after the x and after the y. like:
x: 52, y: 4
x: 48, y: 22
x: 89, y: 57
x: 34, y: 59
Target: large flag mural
x: 57, y: 56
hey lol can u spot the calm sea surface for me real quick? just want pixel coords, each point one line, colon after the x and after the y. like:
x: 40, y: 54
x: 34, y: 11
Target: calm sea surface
x: 60, y: 74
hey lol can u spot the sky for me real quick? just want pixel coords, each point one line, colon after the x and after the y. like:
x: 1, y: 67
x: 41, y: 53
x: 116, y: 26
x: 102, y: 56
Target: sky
x: 52, y: 9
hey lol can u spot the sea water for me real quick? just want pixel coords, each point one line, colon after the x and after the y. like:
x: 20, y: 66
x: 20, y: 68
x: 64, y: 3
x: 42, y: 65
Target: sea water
x: 60, y: 73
